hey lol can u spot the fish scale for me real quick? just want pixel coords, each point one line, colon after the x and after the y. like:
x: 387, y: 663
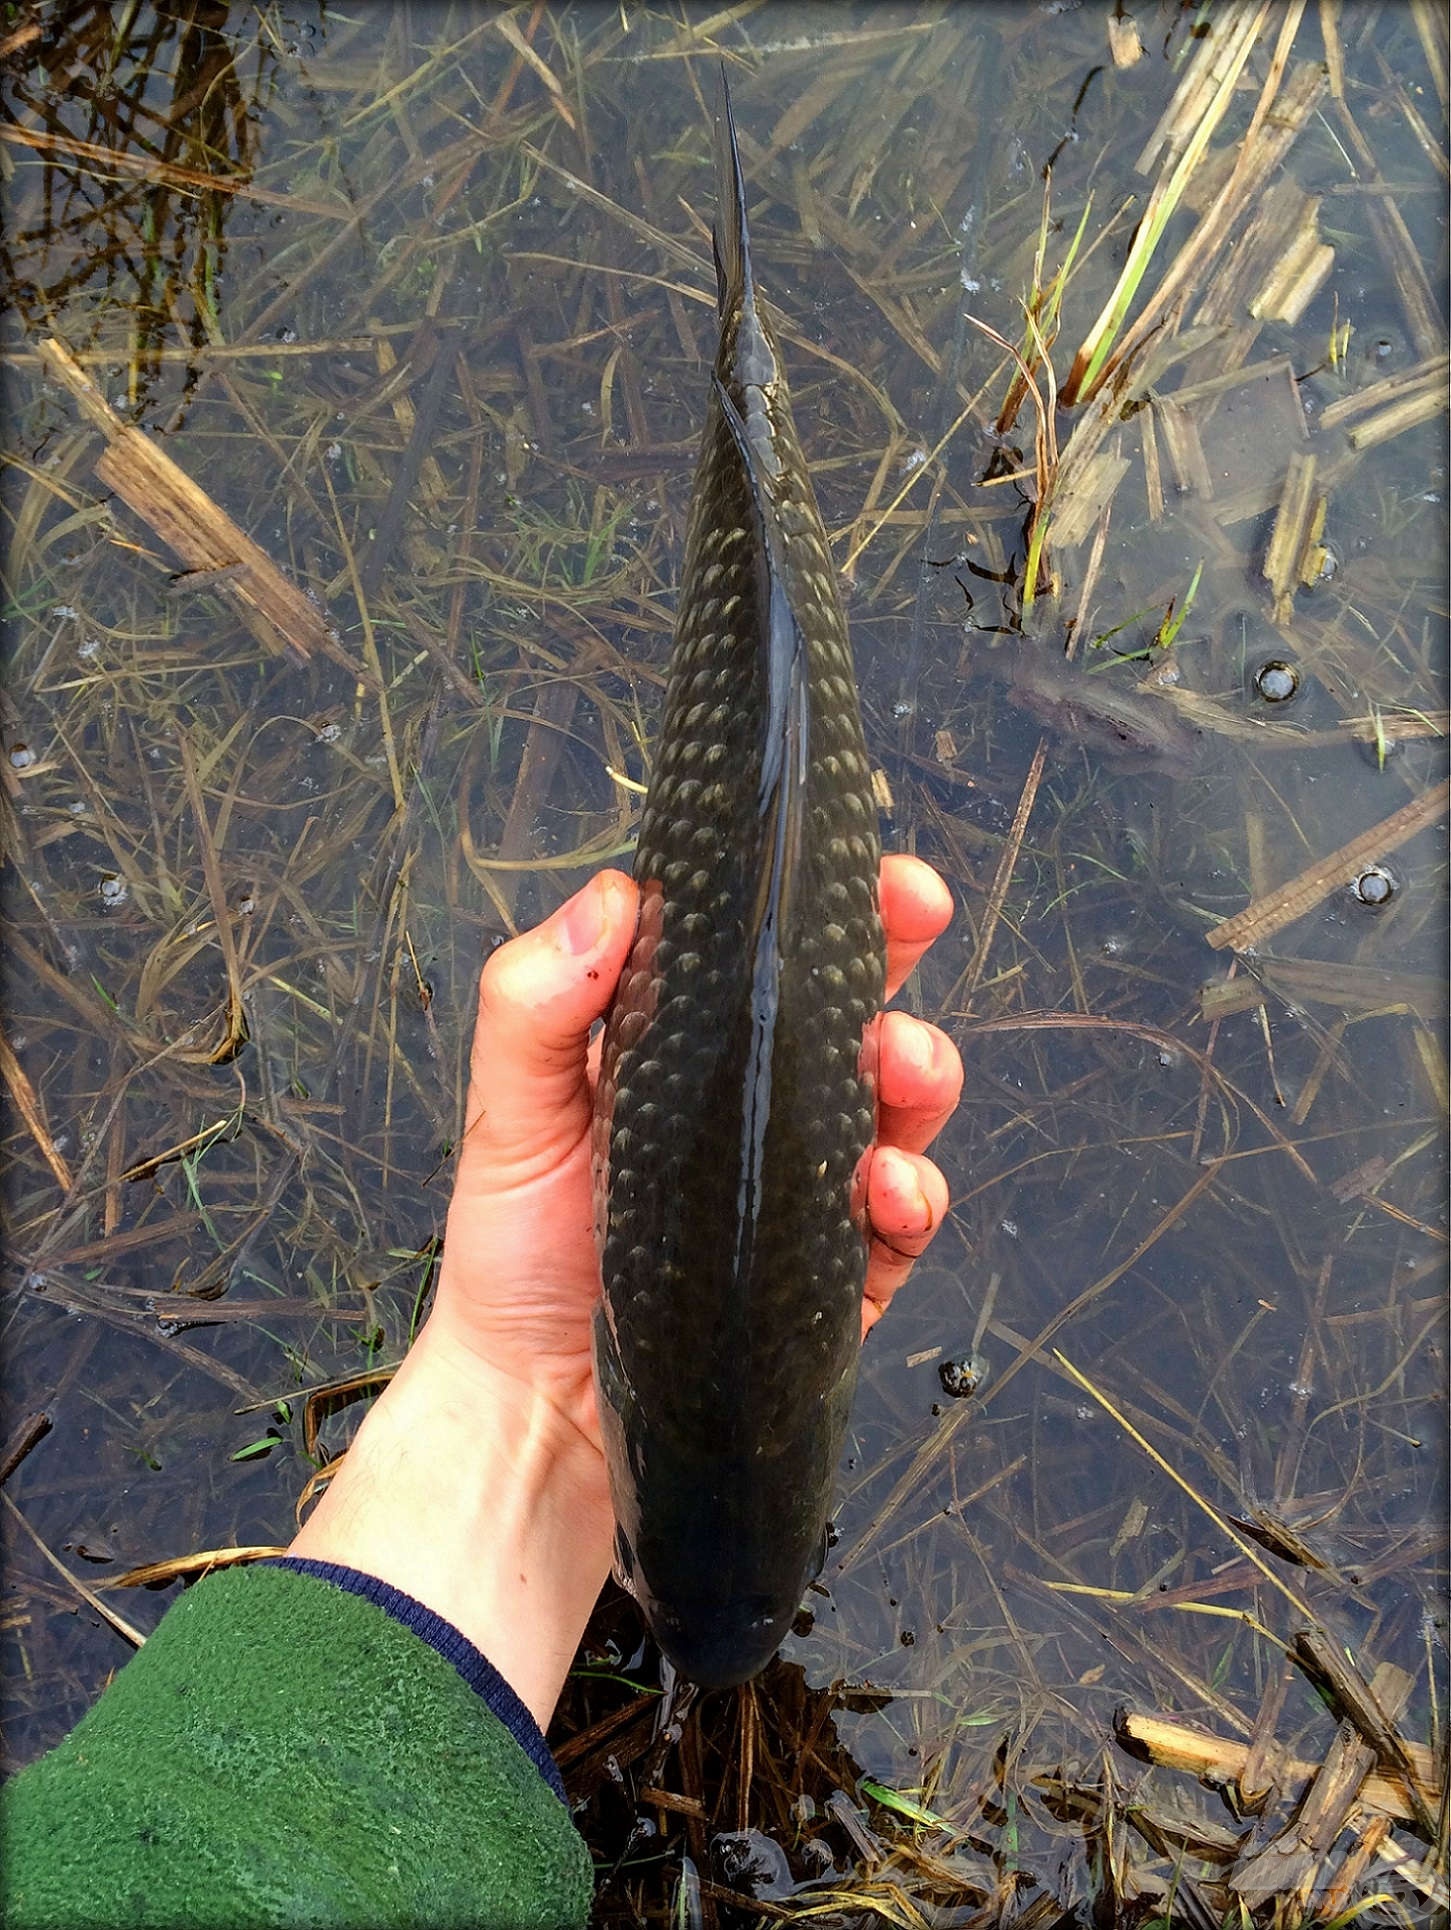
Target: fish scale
x: 734, y: 1104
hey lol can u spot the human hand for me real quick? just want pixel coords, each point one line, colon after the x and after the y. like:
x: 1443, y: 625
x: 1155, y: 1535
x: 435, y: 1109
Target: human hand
x: 477, y: 1483
x: 520, y: 1274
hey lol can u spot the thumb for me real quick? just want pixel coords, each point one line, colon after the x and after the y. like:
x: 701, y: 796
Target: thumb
x: 529, y: 1097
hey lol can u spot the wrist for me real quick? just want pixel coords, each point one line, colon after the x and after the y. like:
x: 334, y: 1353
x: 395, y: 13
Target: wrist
x: 468, y: 1490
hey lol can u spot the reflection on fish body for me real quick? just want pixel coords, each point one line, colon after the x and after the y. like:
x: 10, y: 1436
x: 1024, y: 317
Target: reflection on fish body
x: 734, y: 1106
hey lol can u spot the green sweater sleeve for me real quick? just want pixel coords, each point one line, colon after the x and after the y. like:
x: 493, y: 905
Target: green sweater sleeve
x: 283, y: 1752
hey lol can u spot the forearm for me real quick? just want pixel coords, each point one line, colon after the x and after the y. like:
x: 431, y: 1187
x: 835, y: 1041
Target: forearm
x: 468, y: 1491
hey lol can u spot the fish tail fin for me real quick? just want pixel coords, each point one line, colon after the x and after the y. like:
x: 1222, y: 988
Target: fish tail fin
x: 732, y: 242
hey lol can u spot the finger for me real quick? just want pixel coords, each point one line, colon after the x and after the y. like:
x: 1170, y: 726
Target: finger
x: 907, y: 1200
x: 538, y: 997
x: 919, y: 1082
x: 916, y: 908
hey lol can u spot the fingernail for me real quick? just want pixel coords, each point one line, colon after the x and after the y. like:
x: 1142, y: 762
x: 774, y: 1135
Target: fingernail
x: 916, y: 1213
x: 582, y: 921
x: 918, y: 1048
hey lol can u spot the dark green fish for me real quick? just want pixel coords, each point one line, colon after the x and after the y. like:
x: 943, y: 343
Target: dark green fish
x: 734, y: 1105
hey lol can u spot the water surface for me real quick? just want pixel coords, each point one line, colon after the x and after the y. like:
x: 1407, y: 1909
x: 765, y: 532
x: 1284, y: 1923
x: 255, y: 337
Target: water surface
x: 422, y: 298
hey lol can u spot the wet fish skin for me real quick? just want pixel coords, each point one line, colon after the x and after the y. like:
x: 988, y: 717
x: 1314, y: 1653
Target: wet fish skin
x: 734, y: 1104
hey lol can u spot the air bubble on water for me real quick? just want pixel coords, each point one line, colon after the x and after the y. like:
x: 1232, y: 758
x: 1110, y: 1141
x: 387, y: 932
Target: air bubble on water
x: 1374, y: 887
x: 1276, y: 682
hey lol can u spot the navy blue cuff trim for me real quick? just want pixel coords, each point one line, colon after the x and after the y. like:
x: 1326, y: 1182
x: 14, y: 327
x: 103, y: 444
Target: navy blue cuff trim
x: 454, y: 1646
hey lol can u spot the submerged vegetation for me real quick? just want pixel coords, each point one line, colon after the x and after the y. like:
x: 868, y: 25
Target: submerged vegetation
x: 353, y: 362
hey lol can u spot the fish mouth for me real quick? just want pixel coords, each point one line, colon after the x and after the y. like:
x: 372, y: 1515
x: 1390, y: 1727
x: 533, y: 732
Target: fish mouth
x: 713, y: 1638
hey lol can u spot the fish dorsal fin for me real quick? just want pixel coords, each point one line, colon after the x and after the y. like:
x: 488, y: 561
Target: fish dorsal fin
x: 781, y: 802
x: 730, y: 240
x: 781, y: 797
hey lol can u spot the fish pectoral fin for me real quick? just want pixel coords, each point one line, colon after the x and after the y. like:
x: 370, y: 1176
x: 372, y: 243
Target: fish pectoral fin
x: 624, y: 1565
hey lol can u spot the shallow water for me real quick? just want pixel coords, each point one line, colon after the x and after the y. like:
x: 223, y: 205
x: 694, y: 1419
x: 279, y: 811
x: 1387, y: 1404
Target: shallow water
x: 1198, y: 1193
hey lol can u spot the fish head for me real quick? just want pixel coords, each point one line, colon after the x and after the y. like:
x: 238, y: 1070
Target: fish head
x: 732, y: 1644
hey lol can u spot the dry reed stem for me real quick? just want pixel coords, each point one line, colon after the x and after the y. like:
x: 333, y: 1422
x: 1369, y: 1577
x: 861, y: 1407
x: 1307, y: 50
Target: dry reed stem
x: 1298, y: 523
x: 1263, y: 149
x: 1395, y: 419
x: 1219, y: 1760
x: 204, y: 1561
x: 1282, y: 906
x: 1374, y: 1707
x: 1398, y: 251
x: 27, y: 1103
x: 1203, y: 74
x: 109, y: 160
x: 1089, y: 368
x: 1430, y: 374
x: 1431, y: 27
x: 87, y: 1594
x: 1002, y: 879
x: 27, y: 1433
x: 1334, y: 52
x: 187, y: 520
x: 1290, y: 1868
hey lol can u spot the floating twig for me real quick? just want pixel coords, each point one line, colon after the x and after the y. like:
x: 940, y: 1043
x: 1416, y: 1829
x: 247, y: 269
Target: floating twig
x: 88, y: 1595
x: 27, y: 1104
x: 1282, y: 906
x: 1218, y: 1759
x: 23, y: 1437
x: 188, y: 521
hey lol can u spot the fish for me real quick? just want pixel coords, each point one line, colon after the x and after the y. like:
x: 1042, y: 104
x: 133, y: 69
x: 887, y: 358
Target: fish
x: 735, y: 1106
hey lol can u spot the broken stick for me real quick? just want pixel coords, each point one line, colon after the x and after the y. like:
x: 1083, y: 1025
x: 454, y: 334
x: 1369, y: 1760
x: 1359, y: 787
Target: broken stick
x: 189, y: 522
x: 1287, y: 902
